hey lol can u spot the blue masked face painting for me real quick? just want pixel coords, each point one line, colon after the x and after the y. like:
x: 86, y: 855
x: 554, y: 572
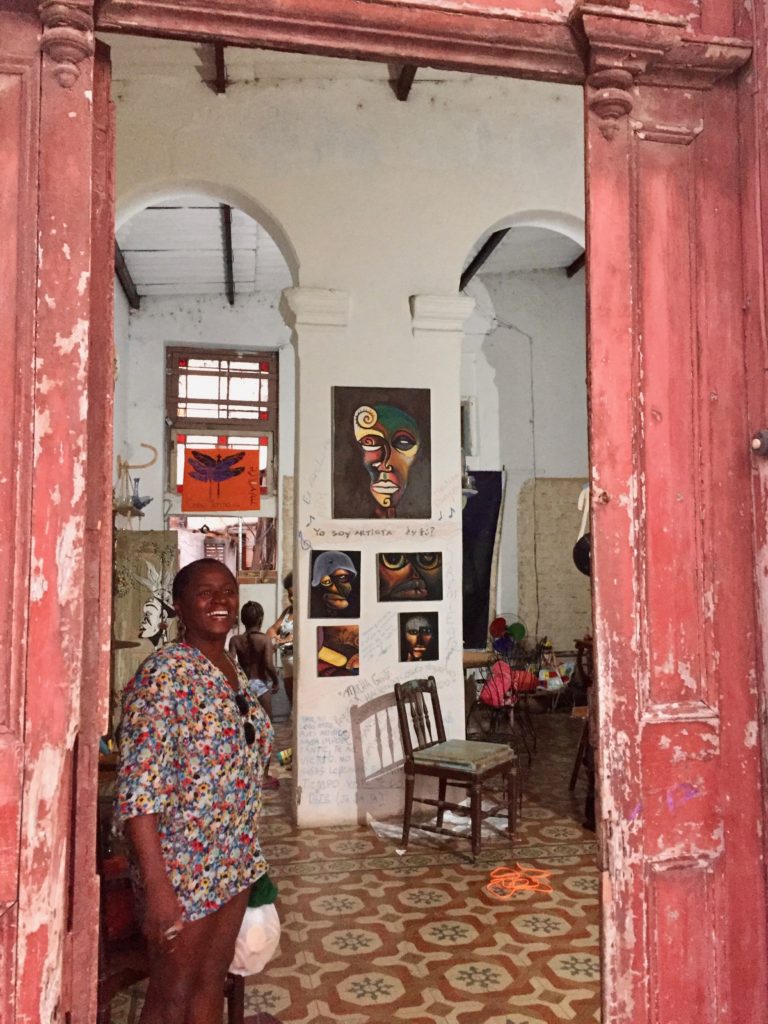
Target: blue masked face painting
x: 334, y: 585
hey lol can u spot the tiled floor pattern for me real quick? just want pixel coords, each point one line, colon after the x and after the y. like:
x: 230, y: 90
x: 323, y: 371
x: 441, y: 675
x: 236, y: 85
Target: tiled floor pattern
x: 371, y: 936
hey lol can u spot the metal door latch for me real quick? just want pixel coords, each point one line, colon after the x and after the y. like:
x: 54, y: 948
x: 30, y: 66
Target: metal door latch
x: 760, y: 443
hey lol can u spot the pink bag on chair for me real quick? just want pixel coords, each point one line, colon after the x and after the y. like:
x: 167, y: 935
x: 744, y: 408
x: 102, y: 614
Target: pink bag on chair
x: 503, y: 684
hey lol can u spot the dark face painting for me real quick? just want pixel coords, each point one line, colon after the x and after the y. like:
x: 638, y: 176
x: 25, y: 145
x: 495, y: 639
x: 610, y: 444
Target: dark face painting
x: 334, y: 585
x: 338, y: 651
x: 381, y: 453
x: 410, y: 576
x: 418, y: 637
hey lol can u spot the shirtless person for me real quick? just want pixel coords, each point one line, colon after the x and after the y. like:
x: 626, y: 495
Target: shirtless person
x: 253, y: 650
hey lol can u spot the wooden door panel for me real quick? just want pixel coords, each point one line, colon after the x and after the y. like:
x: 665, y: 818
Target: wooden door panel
x: 667, y: 410
x: 684, y: 987
x: 675, y: 615
x: 19, y: 85
x: 66, y: 498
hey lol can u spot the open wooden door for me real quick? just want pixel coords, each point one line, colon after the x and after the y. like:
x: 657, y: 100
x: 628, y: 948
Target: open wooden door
x: 19, y: 88
x: 683, y: 888
x: 55, y: 501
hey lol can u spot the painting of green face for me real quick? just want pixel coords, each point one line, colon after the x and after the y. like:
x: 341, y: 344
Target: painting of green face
x: 389, y: 442
x: 381, y: 453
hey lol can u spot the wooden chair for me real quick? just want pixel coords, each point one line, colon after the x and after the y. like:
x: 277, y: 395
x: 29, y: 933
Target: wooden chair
x: 511, y: 721
x: 464, y: 763
x: 585, y: 670
x: 123, y: 956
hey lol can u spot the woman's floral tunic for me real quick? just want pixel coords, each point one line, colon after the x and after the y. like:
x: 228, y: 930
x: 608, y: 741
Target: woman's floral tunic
x: 183, y: 757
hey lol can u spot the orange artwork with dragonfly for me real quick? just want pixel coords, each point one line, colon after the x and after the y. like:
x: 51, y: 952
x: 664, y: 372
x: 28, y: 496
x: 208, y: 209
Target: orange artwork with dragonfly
x: 221, y: 480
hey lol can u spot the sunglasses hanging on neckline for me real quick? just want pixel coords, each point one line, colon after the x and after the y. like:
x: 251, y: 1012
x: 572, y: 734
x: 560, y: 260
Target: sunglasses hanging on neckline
x: 248, y: 726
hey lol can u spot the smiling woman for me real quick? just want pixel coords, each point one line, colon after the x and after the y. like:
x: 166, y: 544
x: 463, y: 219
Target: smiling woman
x: 194, y: 742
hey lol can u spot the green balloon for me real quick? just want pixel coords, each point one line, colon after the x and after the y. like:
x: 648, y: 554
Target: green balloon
x: 516, y: 630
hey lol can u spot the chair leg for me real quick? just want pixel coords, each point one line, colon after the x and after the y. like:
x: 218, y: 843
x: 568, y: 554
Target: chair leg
x: 409, y: 784
x: 235, y: 996
x: 517, y: 715
x: 441, y: 790
x: 476, y: 809
x: 579, y: 755
x: 513, y: 783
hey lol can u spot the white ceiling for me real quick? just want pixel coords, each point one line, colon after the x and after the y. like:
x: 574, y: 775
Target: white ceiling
x: 527, y: 248
x: 137, y: 55
x: 176, y: 248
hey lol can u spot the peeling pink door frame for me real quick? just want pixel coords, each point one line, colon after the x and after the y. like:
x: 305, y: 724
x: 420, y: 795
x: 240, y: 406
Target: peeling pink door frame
x: 59, y: 506
x: 683, y: 893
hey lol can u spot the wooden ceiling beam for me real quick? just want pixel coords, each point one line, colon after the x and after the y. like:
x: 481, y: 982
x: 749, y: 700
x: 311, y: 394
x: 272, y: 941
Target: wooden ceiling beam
x: 126, y: 281
x: 229, y: 256
x: 480, y: 257
x: 220, y: 81
x: 401, y: 79
x: 576, y: 266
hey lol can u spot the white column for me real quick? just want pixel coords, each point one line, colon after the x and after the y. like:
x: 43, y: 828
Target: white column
x: 344, y: 771
x: 438, y: 332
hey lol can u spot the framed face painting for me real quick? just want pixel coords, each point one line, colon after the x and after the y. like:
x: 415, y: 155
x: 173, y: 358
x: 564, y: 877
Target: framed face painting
x: 418, y: 636
x: 381, y: 453
x: 410, y: 575
x: 338, y: 650
x: 334, y: 585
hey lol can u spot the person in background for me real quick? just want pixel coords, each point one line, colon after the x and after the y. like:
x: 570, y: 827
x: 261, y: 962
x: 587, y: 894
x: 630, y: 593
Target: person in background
x: 253, y: 650
x: 194, y: 742
x: 281, y: 635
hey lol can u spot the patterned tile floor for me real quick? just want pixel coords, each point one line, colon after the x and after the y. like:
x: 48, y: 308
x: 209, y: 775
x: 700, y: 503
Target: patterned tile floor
x: 370, y: 936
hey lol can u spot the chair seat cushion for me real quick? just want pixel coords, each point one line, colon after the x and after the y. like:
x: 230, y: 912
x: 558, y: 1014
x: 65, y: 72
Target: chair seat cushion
x: 468, y: 755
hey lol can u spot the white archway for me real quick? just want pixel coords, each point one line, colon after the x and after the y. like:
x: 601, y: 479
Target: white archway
x: 133, y: 202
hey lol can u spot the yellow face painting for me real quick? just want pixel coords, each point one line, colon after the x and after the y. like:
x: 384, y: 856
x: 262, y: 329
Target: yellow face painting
x: 389, y: 441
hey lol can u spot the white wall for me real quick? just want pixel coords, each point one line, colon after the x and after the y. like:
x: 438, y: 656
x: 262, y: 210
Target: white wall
x: 121, y: 321
x: 253, y: 322
x: 380, y: 201
x: 531, y: 394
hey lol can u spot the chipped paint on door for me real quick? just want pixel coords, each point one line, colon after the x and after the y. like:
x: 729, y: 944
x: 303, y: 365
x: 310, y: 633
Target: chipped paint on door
x: 682, y: 875
x: 56, y: 506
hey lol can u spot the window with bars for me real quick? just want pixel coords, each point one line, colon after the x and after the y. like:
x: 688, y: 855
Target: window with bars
x: 221, y: 399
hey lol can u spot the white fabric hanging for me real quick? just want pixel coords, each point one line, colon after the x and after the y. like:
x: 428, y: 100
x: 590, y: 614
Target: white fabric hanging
x: 583, y: 506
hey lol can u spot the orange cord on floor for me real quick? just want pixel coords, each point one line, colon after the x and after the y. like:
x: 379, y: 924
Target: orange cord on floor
x: 506, y: 883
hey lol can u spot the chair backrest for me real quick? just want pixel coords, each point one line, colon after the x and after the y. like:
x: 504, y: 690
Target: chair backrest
x: 418, y: 711
x: 378, y: 755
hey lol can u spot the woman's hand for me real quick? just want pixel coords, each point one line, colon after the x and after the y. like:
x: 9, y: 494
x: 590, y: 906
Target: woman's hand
x: 162, y: 920
x: 163, y: 915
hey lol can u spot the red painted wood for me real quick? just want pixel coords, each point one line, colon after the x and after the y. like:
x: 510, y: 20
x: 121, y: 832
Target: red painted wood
x: 674, y: 607
x: 478, y: 37
x: 19, y: 86
x: 753, y: 119
x: 55, y: 755
x: 94, y: 691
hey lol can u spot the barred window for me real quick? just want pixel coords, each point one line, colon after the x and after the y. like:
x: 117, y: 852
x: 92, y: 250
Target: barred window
x: 221, y: 399
x: 221, y: 388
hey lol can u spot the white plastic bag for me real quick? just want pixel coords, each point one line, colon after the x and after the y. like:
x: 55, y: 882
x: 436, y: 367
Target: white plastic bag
x: 257, y: 941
